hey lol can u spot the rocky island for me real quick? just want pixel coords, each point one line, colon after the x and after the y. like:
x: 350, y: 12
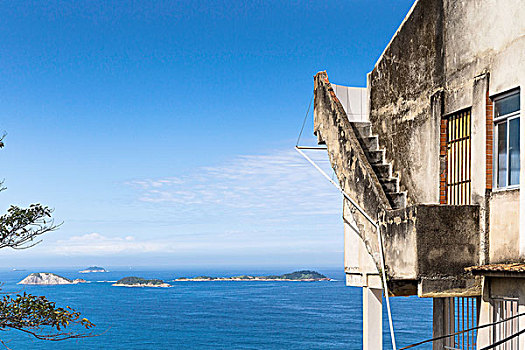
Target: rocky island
x: 140, y: 282
x: 93, y: 269
x: 48, y: 278
x: 304, y: 275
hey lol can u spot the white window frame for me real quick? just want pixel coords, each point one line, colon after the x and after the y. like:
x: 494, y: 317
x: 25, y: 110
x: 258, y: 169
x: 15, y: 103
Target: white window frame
x: 495, y: 122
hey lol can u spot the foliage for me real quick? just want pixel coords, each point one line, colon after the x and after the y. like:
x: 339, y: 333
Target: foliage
x: 35, y: 315
x: 138, y: 280
x: 244, y: 277
x: 303, y: 275
x: 29, y: 313
x: 19, y: 227
x: 98, y: 268
x: 204, y: 278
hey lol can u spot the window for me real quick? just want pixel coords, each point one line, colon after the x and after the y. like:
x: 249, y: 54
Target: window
x: 458, y: 158
x: 507, y: 143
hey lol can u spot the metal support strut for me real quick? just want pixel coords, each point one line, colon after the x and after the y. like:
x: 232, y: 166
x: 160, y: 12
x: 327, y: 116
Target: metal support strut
x: 373, y: 222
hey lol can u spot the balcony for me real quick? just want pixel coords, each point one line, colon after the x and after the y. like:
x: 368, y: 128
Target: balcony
x: 428, y: 247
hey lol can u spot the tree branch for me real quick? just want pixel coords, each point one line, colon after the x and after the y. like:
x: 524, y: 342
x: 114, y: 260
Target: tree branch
x: 27, y: 313
x: 19, y: 227
x: 34, y: 314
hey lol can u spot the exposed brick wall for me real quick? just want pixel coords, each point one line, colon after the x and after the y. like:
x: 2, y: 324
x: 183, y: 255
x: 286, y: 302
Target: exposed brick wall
x: 489, y: 141
x: 443, y: 157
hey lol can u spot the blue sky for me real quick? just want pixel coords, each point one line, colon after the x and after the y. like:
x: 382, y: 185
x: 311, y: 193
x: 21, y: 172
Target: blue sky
x: 162, y: 132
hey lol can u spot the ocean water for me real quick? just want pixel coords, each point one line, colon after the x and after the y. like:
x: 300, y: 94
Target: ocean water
x: 219, y: 315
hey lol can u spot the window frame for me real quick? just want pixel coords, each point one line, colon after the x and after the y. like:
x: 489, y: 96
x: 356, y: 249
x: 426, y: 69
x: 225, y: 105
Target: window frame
x: 495, y: 121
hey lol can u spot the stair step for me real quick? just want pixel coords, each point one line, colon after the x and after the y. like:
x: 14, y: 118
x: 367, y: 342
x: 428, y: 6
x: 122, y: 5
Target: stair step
x: 391, y: 184
x: 370, y: 143
x: 398, y: 200
x: 320, y: 140
x: 376, y: 157
x: 364, y: 129
x: 383, y: 171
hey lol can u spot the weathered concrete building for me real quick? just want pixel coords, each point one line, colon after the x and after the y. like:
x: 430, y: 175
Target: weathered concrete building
x: 430, y: 150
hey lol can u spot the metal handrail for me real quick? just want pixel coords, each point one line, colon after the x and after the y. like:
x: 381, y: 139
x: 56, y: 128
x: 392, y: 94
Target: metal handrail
x: 471, y: 329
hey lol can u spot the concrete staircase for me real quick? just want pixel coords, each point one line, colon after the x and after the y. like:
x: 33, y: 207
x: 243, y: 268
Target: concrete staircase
x: 376, y: 158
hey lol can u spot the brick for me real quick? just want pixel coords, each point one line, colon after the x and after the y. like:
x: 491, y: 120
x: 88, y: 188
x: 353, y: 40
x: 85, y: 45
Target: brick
x: 489, y: 141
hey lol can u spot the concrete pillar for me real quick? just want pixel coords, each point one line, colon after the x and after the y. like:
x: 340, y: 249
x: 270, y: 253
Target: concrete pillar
x: 372, y: 318
x: 478, y: 154
x: 438, y: 325
x: 434, y: 170
x: 521, y: 309
x: 485, y: 315
x: 522, y: 169
x: 478, y: 136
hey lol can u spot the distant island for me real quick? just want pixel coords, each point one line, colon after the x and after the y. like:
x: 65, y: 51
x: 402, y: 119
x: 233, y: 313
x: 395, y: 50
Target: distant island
x: 93, y: 269
x: 304, y: 275
x: 48, y: 278
x: 140, y: 282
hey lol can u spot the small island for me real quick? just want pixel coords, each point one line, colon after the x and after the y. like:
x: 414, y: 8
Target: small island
x: 48, y: 278
x: 304, y: 276
x: 93, y: 269
x: 140, y: 282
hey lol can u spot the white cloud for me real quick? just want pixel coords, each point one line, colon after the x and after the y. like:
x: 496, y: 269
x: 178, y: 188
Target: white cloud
x: 280, y: 183
x: 97, y: 244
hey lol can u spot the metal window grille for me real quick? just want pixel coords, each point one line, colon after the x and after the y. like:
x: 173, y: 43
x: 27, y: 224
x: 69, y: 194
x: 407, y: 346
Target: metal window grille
x: 461, y: 313
x: 505, y: 308
x: 458, y: 158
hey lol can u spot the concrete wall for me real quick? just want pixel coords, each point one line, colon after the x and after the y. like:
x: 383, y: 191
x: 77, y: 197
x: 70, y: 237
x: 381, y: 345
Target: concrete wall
x: 399, y: 230
x: 447, y: 239
x: 482, y: 35
x: 400, y: 87
x: 443, y: 44
x: 432, y: 244
x: 504, y: 235
x: 361, y: 270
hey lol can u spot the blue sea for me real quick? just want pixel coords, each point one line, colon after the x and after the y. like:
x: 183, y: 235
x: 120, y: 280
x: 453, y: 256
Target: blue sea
x: 218, y: 315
